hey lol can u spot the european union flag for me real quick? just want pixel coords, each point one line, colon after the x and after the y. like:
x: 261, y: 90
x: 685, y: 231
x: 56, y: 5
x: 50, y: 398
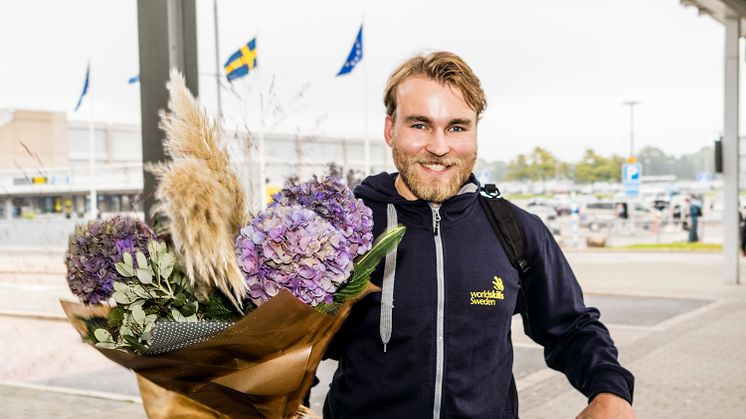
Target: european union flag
x: 242, y: 61
x: 85, y: 86
x: 356, y: 54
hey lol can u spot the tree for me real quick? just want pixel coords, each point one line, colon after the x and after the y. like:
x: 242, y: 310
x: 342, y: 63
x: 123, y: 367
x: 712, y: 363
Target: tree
x: 518, y: 169
x: 595, y: 168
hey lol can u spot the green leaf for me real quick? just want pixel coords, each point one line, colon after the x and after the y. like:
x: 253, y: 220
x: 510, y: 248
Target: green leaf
x: 135, y: 344
x: 103, y: 335
x: 189, y: 309
x: 124, y: 270
x: 125, y: 331
x: 192, y: 319
x: 328, y: 308
x: 218, y: 307
x: 162, y: 247
x: 145, y: 276
x: 122, y: 297
x: 127, y: 259
x: 166, y: 263
x: 366, y: 264
x: 115, y: 318
x: 138, y: 315
x: 140, y: 291
x: 106, y: 345
x: 119, y: 286
x: 177, y: 316
x: 383, y: 244
x: 152, y: 249
x: 142, y: 262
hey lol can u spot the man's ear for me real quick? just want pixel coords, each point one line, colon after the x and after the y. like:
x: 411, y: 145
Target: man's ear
x: 388, y: 130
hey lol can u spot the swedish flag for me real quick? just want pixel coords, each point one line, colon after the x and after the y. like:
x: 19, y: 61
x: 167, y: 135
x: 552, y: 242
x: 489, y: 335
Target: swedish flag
x: 242, y: 61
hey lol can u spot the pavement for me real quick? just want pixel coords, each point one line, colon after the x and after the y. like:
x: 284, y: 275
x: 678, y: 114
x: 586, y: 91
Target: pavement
x: 679, y: 329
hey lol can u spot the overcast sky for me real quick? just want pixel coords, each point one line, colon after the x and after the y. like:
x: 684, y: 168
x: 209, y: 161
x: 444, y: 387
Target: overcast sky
x: 555, y: 71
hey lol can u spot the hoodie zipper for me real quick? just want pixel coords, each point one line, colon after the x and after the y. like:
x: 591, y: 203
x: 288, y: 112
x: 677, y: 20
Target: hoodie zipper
x: 439, y: 351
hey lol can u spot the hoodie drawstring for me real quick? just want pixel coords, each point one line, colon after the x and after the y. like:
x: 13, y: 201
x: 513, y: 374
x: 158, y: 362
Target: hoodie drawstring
x: 387, y: 292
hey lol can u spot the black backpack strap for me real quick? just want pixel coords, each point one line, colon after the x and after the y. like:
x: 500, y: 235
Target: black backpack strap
x: 505, y: 225
x: 508, y: 232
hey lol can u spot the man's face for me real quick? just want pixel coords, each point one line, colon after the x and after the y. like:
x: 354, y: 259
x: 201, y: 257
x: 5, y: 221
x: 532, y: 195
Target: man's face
x: 433, y: 137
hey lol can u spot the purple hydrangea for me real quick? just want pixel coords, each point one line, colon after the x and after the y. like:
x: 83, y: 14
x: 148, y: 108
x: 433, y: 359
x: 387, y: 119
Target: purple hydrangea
x: 333, y: 200
x: 291, y: 247
x: 95, y: 248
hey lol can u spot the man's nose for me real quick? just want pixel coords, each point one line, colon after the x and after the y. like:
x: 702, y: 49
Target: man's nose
x: 438, y: 144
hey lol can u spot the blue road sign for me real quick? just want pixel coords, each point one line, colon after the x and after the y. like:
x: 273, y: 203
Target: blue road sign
x: 631, y: 173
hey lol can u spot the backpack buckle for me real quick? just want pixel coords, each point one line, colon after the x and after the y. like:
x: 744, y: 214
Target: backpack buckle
x: 491, y: 190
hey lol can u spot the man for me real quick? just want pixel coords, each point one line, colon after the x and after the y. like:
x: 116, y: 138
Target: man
x: 436, y: 341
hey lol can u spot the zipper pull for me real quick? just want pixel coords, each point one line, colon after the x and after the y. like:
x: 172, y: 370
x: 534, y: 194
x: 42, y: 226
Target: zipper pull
x: 436, y: 222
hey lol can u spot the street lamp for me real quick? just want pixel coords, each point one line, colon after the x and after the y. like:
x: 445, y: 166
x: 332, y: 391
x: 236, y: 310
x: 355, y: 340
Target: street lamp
x: 631, y: 104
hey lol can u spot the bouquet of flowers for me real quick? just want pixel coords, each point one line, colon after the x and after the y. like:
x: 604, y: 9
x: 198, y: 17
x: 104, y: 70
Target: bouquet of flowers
x: 220, y: 313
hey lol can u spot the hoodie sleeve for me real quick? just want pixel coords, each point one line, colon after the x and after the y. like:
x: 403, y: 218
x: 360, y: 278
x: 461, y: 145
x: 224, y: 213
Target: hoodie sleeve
x: 554, y: 315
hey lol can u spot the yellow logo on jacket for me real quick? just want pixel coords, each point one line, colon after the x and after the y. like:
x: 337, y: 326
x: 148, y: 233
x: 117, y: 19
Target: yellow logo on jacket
x: 489, y: 297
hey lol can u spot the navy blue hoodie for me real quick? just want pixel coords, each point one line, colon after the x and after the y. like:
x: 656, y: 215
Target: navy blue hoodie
x: 450, y: 353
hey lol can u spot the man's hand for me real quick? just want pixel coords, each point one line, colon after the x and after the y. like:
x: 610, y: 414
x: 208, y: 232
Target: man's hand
x: 608, y: 406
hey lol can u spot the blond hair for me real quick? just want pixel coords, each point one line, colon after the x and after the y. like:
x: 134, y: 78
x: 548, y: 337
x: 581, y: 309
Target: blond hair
x: 444, y: 67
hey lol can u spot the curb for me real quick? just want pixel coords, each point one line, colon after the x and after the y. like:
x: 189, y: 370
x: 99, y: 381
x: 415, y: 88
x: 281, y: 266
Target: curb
x: 74, y: 392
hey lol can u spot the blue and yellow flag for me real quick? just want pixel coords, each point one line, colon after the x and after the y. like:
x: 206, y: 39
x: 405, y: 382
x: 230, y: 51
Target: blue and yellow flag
x: 242, y: 61
x: 356, y: 54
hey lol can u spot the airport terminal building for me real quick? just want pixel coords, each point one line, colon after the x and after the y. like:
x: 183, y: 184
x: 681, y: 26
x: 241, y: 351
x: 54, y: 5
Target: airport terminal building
x: 45, y: 164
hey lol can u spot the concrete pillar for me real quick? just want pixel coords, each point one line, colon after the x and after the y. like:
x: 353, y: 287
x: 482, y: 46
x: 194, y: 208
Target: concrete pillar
x: 731, y: 153
x: 8, y: 207
x: 168, y: 39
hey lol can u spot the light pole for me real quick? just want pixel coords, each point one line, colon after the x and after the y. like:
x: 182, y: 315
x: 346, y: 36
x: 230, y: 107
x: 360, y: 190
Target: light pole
x: 631, y: 104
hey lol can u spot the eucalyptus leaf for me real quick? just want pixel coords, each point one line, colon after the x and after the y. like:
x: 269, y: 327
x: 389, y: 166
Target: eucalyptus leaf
x: 192, y: 319
x: 122, y: 297
x: 138, y: 315
x: 140, y: 291
x: 166, y: 271
x: 106, y: 345
x: 162, y: 247
x: 152, y: 248
x: 119, y: 286
x: 125, y: 331
x: 127, y: 259
x: 124, y: 270
x: 141, y: 261
x: 103, y: 335
x: 177, y: 316
x: 145, y: 276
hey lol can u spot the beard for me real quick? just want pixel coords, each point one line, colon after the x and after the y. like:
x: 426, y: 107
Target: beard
x: 435, y: 189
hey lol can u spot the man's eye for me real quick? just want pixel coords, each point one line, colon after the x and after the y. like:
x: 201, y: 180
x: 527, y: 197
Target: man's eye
x: 457, y: 129
x: 418, y: 126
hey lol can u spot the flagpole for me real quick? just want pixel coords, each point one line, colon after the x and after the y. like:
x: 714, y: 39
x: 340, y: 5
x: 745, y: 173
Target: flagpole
x: 262, y: 159
x: 93, y: 214
x: 366, y: 138
x: 218, y: 68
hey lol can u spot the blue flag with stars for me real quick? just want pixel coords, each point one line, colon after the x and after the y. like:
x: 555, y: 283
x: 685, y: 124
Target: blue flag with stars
x: 85, y: 86
x: 356, y: 54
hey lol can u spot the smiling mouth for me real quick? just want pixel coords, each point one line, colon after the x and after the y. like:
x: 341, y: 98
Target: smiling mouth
x: 434, y: 167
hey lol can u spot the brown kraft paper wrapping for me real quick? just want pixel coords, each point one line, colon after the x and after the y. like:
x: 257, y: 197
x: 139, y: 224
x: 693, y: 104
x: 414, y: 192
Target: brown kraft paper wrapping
x: 260, y: 367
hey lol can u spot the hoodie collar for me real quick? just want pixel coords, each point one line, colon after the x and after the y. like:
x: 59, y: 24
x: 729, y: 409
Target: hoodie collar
x: 380, y: 188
